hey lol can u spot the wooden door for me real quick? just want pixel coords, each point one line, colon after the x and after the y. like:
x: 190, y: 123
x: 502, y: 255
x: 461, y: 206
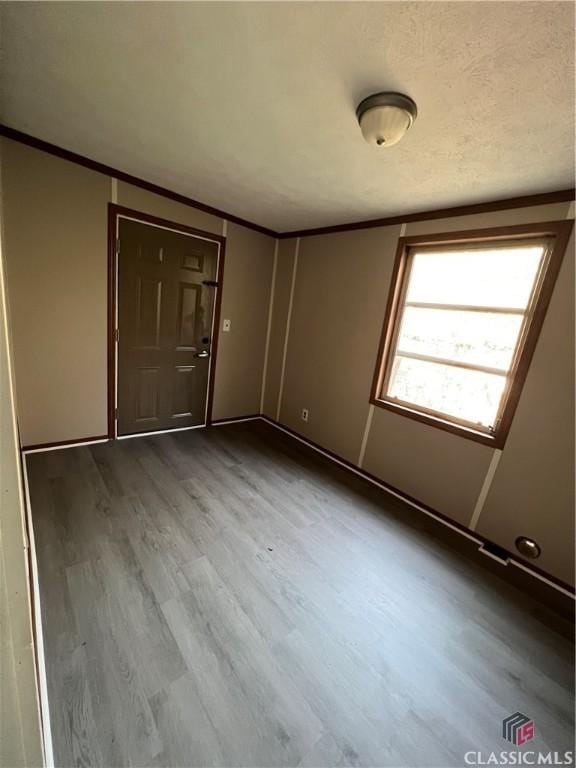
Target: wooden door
x: 166, y: 301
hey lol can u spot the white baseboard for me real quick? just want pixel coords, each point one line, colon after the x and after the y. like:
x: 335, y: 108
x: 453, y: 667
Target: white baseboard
x: 39, y: 632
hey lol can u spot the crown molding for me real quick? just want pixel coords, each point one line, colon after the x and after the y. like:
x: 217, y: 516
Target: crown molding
x: 107, y: 170
x: 524, y: 201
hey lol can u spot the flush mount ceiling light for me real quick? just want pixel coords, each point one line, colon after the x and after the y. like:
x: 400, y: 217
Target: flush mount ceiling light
x: 385, y: 117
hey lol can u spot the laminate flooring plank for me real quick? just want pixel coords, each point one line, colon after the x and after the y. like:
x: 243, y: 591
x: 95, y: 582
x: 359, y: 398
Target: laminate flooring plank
x: 239, y: 646
x: 327, y: 754
x: 143, y: 629
x: 189, y: 736
x: 159, y: 548
x: 263, y: 610
x: 75, y: 717
x: 124, y: 727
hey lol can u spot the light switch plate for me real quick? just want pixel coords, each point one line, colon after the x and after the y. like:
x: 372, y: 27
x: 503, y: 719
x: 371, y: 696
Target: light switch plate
x: 226, y: 325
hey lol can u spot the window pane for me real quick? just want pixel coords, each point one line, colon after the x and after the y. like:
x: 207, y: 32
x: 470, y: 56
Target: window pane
x: 480, y: 338
x: 470, y: 395
x: 491, y: 277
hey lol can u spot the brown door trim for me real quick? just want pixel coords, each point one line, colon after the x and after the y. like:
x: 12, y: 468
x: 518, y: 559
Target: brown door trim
x: 114, y: 213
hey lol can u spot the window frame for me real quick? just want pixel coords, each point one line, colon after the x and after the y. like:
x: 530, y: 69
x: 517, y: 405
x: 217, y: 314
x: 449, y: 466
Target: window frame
x: 556, y: 235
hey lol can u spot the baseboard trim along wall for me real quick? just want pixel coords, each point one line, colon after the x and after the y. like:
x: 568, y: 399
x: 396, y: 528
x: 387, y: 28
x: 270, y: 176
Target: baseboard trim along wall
x: 158, y: 432
x: 234, y: 420
x: 485, y: 546
x: 63, y: 444
x: 37, y: 627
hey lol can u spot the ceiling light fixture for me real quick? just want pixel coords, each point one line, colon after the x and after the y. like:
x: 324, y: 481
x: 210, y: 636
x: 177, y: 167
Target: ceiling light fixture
x: 385, y: 117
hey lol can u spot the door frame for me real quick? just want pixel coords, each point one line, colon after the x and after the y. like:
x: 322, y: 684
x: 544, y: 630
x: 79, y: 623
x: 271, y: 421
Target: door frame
x: 115, y: 213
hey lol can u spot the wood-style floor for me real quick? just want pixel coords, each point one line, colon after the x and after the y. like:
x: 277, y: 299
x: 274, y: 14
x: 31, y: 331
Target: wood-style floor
x: 227, y: 597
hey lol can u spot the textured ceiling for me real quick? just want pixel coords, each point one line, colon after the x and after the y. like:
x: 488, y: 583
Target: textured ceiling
x: 250, y: 106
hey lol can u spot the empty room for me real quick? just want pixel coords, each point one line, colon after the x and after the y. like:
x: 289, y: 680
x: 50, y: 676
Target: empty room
x: 287, y: 384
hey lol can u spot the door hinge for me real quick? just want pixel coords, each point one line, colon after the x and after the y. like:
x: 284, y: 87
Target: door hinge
x: 116, y: 334
x: 117, y: 246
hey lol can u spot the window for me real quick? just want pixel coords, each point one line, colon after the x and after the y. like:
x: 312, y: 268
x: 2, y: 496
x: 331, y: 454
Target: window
x: 462, y: 323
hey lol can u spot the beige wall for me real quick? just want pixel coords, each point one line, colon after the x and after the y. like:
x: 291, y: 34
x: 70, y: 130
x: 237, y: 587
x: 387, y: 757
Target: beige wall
x: 56, y: 251
x: 443, y: 470
x: 55, y: 240
x: 341, y: 287
x: 533, y: 490
x: 20, y: 741
x: 247, y: 282
x: 336, y: 317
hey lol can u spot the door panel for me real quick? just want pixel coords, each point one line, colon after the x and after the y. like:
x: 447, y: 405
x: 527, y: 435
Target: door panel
x: 148, y: 312
x: 193, y: 260
x: 185, y: 391
x: 165, y: 317
x: 189, y: 311
x: 147, y: 394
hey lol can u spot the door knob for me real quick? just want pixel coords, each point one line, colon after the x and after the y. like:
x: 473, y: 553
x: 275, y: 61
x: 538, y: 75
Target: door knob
x: 204, y: 353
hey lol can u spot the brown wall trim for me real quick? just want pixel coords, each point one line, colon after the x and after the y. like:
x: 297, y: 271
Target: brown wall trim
x: 232, y: 419
x: 411, y: 500
x: 60, y: 443
x: 94, y: 165
x: 114, y: 212
x: 525, y: 201
x: 148, y: 218
x: 111, y: 348
x: 216, y: 326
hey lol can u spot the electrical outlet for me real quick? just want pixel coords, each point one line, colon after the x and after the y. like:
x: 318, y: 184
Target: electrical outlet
x: 304, y: 415
x: 226, y: 325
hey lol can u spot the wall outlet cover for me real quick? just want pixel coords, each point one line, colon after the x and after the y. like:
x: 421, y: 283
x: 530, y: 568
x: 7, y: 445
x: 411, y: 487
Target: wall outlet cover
x: 226, y: 325
x: 304, y: 415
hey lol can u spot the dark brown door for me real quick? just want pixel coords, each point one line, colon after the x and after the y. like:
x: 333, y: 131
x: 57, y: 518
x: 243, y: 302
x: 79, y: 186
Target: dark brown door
x: 165, y: 318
